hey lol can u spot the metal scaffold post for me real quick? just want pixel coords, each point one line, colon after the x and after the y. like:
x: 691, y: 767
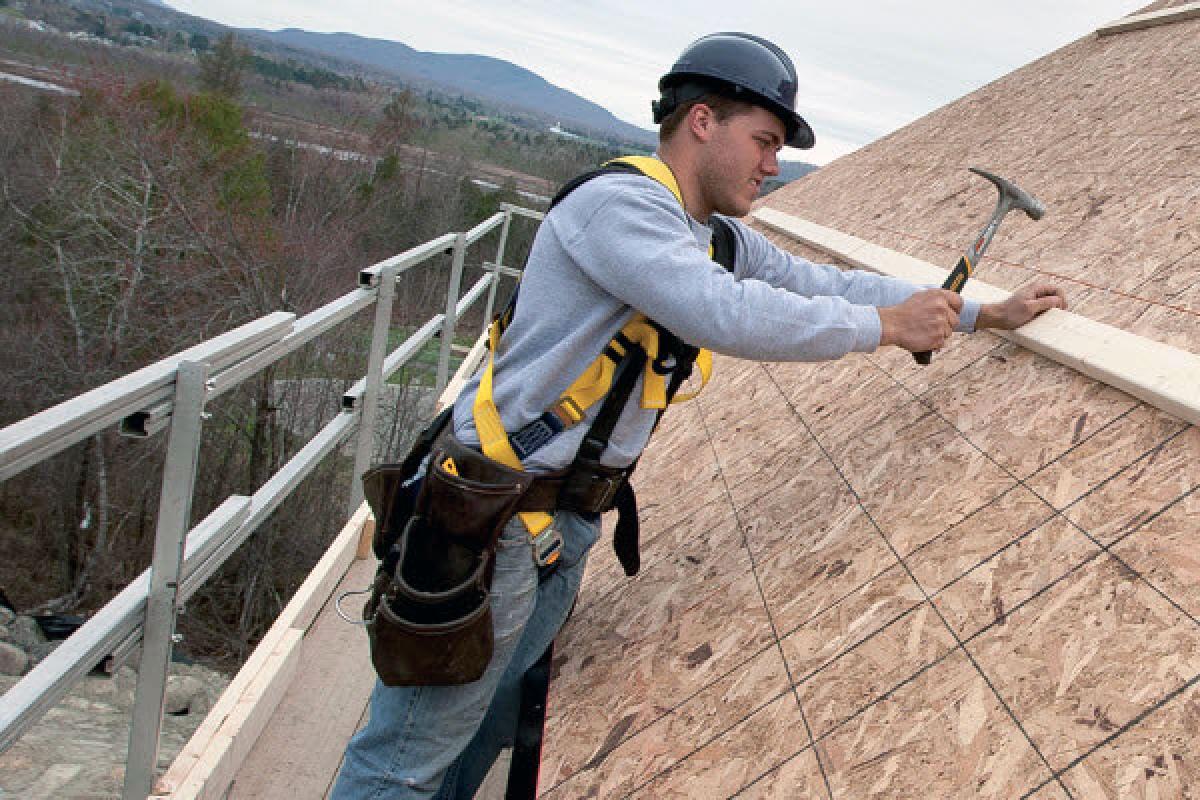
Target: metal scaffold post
x: 490, y: 309
x: 175, y: 506
x: 368, y: 406
x: 451, y: 318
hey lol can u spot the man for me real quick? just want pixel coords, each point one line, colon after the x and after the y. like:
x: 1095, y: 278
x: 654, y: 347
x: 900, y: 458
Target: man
x: 617, y: 245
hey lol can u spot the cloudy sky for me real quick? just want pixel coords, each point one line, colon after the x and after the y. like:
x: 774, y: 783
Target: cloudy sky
x: 866, y: 68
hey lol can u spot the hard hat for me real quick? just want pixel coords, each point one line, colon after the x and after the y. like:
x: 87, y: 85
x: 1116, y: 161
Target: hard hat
x: 741, y: 66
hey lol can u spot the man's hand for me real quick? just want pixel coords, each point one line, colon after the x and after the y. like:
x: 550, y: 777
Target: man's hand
x: 1023, y: 305
x: 922, y: 322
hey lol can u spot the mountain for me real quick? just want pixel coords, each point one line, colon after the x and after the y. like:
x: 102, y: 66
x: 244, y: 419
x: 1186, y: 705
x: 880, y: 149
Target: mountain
x: 489, y: 78
x: 788, y: 172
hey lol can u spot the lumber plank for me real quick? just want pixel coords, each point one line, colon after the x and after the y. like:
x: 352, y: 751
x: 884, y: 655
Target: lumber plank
x: 301, y: 752
x: 298, y: 614
x: 213, y: 771
x: 1154, y: 372
x: 255, y: 710
x: 205, y: 735
x: 364, y: 540
x: 1151, y: 19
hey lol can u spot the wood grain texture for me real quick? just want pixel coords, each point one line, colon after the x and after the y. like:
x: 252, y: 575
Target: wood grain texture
x: 987, y: 593
x: 1085, y: 658
x: 1136, y: 493
x: 737, y: 757
x: 809, y: 561
x: 294, y: 756
x: 863, y: 674
x: 917, y: 477
x: 632, y: 661
x: 619, y: 766
x: 943, y: 735
x: 1166, y: 554
x: 1155, y: 760
x: 1094, y: 458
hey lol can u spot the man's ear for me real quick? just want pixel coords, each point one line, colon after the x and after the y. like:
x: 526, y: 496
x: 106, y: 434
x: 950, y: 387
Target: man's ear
x: 701, y: 120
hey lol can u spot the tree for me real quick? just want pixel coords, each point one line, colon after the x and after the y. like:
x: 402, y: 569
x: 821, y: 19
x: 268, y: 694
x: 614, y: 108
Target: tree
x: 221, y: 68
x: 397, y: 122
x: 136, y: 221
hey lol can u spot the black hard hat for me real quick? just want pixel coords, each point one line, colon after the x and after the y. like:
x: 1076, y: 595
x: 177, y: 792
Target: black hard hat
x: 741, y: 66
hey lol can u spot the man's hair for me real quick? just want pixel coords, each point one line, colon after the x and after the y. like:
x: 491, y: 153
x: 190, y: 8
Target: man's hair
x: 723, y: 108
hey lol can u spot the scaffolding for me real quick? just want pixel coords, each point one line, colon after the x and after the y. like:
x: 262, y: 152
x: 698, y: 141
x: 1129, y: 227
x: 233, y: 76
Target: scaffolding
x: 171, y: 395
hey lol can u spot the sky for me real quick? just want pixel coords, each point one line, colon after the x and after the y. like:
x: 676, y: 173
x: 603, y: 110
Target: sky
x: 865, y: 68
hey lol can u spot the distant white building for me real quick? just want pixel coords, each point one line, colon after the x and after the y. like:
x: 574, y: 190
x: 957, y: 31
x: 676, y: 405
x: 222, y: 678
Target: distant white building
x: 557, y: 129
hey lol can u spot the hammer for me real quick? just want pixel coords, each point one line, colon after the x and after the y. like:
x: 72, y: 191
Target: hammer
x: 1011, y: 197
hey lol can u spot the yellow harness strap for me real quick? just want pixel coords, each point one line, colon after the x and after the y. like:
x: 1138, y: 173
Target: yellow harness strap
x: 492, y: 436
x: 595, y: 381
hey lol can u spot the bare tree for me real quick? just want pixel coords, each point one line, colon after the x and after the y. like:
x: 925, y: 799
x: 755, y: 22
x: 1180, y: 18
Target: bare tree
x: 138, y: 221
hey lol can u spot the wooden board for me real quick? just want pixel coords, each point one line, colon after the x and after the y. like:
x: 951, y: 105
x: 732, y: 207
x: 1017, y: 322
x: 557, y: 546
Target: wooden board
x: 300, y: 753
x: 261, y: 666
x: 1151, y: 19
x: 212, y: 772
x: 1154, y: 372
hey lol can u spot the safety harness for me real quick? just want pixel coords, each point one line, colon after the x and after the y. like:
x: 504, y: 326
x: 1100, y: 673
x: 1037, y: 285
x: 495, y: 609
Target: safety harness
x: 641, y: 348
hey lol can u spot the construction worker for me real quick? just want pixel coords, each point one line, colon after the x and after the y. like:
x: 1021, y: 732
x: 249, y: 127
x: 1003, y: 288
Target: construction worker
x: 618, y: 246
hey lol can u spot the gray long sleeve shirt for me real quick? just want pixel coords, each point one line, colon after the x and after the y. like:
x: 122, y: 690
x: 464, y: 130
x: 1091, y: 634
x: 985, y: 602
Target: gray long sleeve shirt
x: 620, y: 244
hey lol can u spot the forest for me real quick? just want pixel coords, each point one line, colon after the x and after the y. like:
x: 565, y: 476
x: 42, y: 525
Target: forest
x: 151, y: 212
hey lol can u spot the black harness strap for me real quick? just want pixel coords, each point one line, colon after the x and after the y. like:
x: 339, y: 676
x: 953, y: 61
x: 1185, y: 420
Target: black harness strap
x: 580, y: 180
x: 627, y: 533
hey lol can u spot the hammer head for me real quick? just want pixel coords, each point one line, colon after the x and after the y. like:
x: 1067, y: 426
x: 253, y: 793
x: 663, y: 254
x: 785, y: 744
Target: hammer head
x: 1012, y: 196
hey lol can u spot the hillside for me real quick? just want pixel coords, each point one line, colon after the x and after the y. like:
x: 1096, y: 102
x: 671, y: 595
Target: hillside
x: 506, y: 89
x: 466, y: 90
x: 493, y: 79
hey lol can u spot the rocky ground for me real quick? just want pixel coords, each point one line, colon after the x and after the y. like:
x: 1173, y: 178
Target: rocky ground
x: 77, y: 750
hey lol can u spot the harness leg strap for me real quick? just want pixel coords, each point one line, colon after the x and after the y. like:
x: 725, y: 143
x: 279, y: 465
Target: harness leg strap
x: 627, y: 531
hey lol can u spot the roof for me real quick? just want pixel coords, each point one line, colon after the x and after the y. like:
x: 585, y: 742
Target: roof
x: 864, y: 578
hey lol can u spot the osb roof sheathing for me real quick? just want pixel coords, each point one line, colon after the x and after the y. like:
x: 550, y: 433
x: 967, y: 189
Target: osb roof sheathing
x: 975, y: 579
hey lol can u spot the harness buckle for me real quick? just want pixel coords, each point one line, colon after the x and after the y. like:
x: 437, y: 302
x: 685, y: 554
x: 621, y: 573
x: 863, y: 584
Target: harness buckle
x: 606, y: 488
x: 547, y: 546
x: 568, y: 412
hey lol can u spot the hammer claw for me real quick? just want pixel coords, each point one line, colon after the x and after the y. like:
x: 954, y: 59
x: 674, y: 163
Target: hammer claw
x: 1011, y: 197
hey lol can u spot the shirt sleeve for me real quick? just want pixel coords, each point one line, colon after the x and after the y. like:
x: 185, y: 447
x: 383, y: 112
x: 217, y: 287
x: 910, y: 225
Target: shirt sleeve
x: 635, y: 242
x: 759, y: 259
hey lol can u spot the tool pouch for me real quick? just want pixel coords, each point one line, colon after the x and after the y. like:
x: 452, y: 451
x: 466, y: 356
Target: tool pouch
x: 391, y: 489
x: 429, y: 615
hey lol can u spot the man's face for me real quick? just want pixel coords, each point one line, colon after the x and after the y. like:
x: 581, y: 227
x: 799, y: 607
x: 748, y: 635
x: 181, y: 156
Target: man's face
x: 740, y: 153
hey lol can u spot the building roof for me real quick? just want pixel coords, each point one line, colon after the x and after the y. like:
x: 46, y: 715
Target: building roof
x: 864, y: 578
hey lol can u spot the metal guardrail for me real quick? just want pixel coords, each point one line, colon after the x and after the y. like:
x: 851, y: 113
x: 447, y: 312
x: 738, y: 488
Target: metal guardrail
x: 171, y: 394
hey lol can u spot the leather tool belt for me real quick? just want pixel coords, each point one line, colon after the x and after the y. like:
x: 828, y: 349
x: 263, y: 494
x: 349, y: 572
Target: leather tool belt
x: 584, y: 489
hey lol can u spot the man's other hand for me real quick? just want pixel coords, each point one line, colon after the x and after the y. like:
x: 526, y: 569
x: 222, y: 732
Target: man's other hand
x: 922, y: 322
x: 1023, y: 305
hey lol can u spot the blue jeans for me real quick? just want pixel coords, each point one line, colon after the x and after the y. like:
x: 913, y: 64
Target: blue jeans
x: 440, y: 741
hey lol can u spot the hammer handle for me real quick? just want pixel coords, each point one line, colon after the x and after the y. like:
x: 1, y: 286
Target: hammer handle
x: 954, y: 282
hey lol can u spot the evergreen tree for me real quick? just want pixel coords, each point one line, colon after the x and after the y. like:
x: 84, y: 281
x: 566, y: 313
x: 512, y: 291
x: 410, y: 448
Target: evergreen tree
x: 221, y: 68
